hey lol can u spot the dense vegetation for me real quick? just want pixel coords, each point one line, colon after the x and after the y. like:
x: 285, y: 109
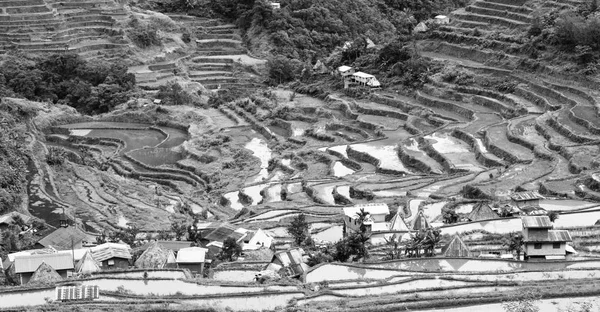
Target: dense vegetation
x: 90, y: 87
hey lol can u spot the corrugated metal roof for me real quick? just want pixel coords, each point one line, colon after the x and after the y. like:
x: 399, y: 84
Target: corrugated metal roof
x: 170, y: 245
x: 363, y: 75
x: 223, y: 232
x: 108, y: 252
x: 30, y: 263
x: 191, y: 255
x: 539, y: 222
x: 522, y: 196
x: 374, y: 209
x: 344, y: 68
x: 63, y: 238
x: 559, y: 236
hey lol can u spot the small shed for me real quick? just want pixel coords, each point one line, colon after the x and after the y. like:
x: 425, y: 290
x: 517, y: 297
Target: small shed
x: 256, y: 240
x: 192, y: 258
x: 442, y: 20
x: 25, y: 265
x: 456, y: 248
x: 482, y: 211
x: 398, y: 224
x: 524, y: 199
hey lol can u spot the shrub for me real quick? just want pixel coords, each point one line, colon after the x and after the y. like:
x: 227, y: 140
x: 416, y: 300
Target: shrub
x: 143, y: 35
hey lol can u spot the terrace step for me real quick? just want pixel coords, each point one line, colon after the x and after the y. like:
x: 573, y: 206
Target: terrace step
x: 504, y: 7
x: 498, y: 143
x: 203, y: 74
x: 473, y: 17
x: 27, y: 9
x: 28, y: 17
x: 211, y: 60
x: 20, y: 3
x: 518, y: 17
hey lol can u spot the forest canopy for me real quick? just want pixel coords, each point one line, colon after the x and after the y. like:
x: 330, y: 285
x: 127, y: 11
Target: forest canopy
x: 90, y: 87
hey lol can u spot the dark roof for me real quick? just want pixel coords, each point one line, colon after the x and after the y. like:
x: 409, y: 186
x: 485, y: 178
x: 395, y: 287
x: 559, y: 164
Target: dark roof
x: 456, y: 248
x: 58, y: 261
x: 169, y: 245
x: 523, y: 196
x: 554, y: 236
x: 482, y: 211
x: 420, y: 222
x: 536, y: 222
x: 62, y: 238
x: 223, y: 232
x: 109, y: 252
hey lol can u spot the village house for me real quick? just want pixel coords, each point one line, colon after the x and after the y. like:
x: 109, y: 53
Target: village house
x: 482, y: 211
x: 256, y: 239
x: 541, y: 242
x: 66, y: 238
x: 366, y: 80
x: 290, y: 263
x: 524, y: 199
x: 175, y: 246
x: 456, y: 248
x: 192, y: 258
x: 87, y: 264
x: 374, y: 222
x: 25, y: 265
x: 442, y: 20
x: 111, y: 256
x: 275, y: 5
x: 156, y: 257
x: 345, y: 71
x: 420, y: 222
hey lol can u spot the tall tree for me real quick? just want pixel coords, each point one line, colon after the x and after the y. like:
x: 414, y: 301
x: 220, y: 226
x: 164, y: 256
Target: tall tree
x: 230, y: 251
x: 178, y: 229
x: 514, y: 242
x: 299, y: 229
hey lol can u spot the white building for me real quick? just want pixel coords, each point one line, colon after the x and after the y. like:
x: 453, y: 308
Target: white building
x: 256, y: 240
x: 345, y: 71
x: 366, y: 80
x: 375, y: 221
x: 275, y: 5
x: 442, y: 20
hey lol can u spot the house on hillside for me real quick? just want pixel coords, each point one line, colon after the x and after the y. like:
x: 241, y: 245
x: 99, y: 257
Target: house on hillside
x: 441, y: 20
x: 11, y: 218
x: 256, y: 240
x: 365, y: 79
x: 541, y: 242
x: 66, y: 238
x: 192, y: 258
x: 275, y: 5
x: 524, y: 199
x: 290, y: 263
x: 218, y: 234
x: 175, y: 246
x: 482, y: 211
x: 111, y: 256
x: 456, y: 248
x: 420, y: 222
x: 374, y: 222
x: 345, y: 71
x: 25, y: 265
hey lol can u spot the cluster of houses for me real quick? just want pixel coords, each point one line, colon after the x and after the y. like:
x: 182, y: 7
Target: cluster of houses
x: 541, y: 242
x: 69, y: 251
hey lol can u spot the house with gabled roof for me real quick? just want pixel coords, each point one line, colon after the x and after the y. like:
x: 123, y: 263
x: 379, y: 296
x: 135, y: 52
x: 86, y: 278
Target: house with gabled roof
x: 456, y: 248
x: 25, y: 265
x: 524, y: 199
x: 66, y: 238
x: 290, y: 263
x: 156, y: 257
x: 374, y: 222
x: 175, y: 246
x: 192, y: 258
x: 256, y: 239
x: 541, y: 242
x: 482, y: 211
x: 112, y: 256
x: 87, y: 264
x: 222, y: 232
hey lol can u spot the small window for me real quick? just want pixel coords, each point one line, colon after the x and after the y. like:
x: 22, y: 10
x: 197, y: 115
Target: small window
x: 537, y: 246
x: 556, y: 245
x: 111, y: 262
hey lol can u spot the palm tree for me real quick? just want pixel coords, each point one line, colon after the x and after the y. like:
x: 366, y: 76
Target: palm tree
x: 362, y: 216
x: 431, y: 239
x: 514, y: 243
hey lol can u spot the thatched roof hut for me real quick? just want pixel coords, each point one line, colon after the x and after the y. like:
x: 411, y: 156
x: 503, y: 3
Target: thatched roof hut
x: 420, y: 222
x: 45, y: 274
x: 456, y: 248
x: 156, y: 257
x: 398, y: 224
x: 87, y: 264
x: 482, y: 211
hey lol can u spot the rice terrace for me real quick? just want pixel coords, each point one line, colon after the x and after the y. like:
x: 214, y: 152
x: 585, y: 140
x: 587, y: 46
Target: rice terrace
x: 333, y: 155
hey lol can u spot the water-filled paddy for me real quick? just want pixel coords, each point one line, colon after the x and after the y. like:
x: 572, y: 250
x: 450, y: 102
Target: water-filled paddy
x: 156, y: 156
x: 263, y: 152
x: 339, y: 170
